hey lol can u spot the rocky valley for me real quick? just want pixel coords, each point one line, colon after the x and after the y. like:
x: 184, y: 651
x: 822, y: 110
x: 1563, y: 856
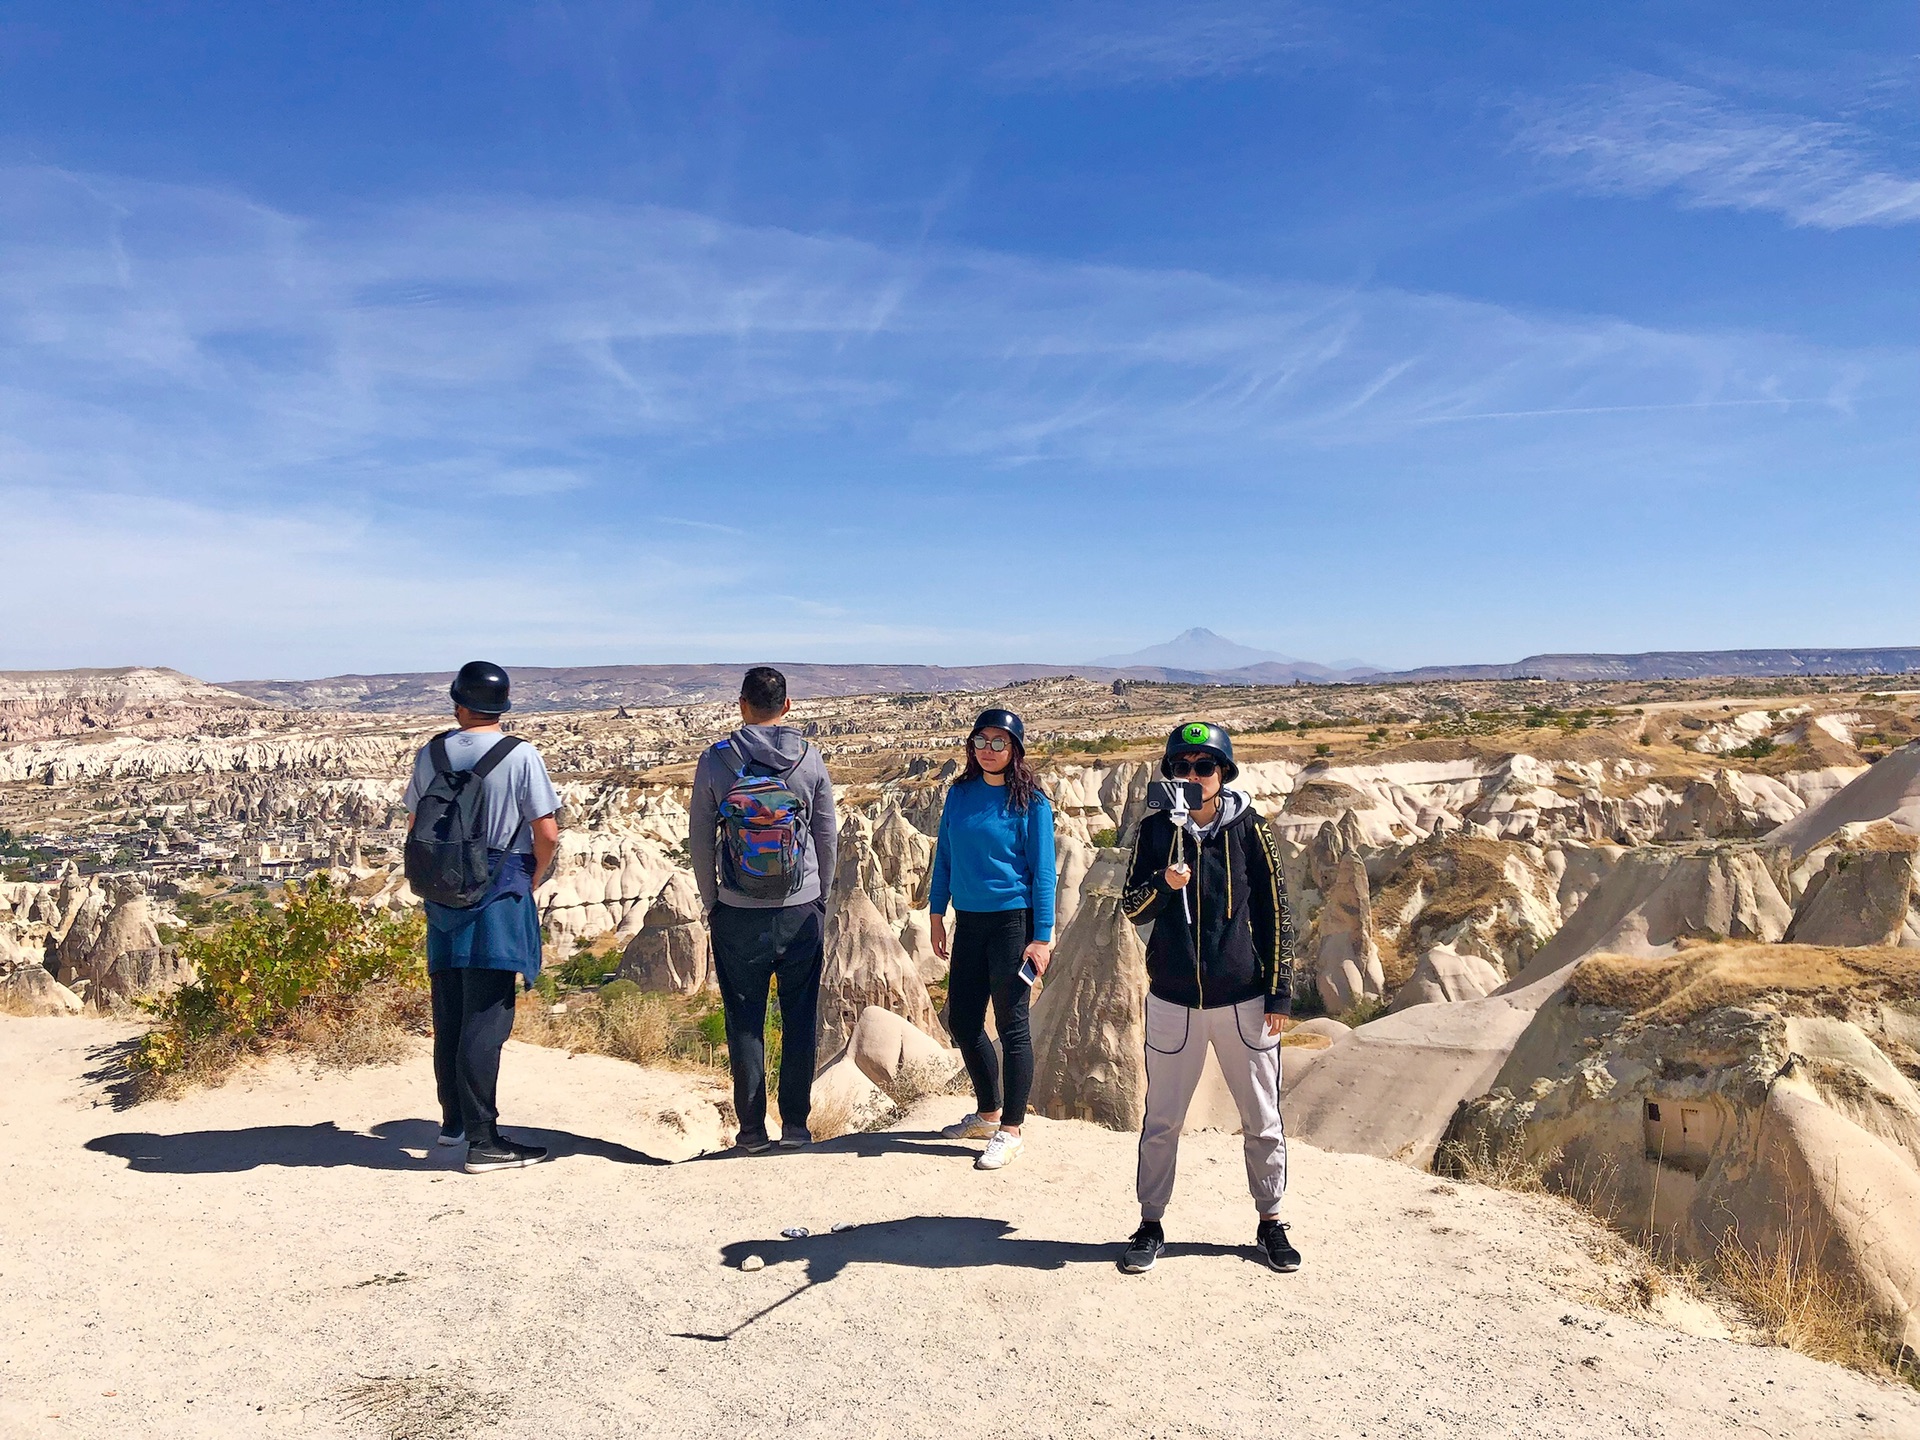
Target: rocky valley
x: 1657, y: 940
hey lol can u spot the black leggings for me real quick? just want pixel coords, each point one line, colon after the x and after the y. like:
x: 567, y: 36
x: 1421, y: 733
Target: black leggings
x: 987, y: 949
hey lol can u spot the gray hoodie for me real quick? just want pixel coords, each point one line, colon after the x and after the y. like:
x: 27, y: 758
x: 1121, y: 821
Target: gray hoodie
x: 775, y: 748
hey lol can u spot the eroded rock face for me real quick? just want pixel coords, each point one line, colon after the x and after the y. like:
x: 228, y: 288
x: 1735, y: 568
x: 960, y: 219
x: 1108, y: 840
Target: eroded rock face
x: 1738, y: 1123
x: 602, y: 883
x: 673, y: 951
x: 1492, y: 899
x: 32, y: 991
x: 1089, y: 1022
x: 112, y: 950
x: 1343, y: 949
x: 1866, y: 893
x: 1445, y: 975
x: 865, y: 965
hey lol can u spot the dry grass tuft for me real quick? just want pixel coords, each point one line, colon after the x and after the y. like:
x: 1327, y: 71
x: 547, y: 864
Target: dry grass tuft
x: 1797, y: 1301
x: 1680, y: 987
x: 418, y: 1407
x: 832, y: 1116
x: 372, y: 1027
x: 1508, y: 1167
x: 917, y: 1079
x: 641, y: 1028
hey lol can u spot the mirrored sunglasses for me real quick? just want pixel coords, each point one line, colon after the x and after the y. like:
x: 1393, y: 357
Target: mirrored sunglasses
x: 981, y: 742
x: 1199, y: 769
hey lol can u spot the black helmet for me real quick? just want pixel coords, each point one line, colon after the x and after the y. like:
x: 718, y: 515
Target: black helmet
x: 481, y: 686
x: 1000, y: 720
x: 1201, y: 737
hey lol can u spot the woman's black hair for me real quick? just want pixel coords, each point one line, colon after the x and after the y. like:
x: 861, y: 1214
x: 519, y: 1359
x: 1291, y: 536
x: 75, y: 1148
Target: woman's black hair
x: 1022, y: 783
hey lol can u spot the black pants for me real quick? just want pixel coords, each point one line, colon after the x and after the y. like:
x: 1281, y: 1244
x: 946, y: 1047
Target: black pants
x: 751, y: 948
x: 987, y: 949
x: 472, y: 1017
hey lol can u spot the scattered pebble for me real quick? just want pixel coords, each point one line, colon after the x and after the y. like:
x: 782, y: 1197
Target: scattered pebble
x: 752, y: 1262
x: 795, y: 1232
x: 842, y: 1225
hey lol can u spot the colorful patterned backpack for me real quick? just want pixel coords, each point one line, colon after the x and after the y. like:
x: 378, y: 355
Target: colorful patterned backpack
x: 763, y: 829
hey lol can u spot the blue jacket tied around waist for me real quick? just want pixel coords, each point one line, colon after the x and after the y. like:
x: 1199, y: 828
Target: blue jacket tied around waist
x: 502, y: 932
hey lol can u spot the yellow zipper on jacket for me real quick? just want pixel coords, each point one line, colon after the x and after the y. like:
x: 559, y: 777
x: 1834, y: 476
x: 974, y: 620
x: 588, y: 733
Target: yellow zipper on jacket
x: 1199, y: 928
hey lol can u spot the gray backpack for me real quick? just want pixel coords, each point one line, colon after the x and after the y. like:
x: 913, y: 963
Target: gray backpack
x: 446, y: 856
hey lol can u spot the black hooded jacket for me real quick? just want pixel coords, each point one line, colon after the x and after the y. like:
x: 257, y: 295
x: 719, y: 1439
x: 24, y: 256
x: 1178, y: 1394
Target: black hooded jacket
x: 1238, y: 903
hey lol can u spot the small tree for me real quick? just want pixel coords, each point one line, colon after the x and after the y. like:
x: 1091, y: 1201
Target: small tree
x: 257, y: 972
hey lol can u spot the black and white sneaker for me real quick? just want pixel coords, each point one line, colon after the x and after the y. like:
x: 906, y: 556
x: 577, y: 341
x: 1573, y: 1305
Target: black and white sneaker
x: 1276, y: 1248
x: 502, y: 1154
x: 450, y: 1136
x: 795, y: 1137
x: 1144, y: 1248
x: 752, y: 1144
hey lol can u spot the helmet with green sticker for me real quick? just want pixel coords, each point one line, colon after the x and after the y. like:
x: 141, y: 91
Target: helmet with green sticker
x: 1201, y: 737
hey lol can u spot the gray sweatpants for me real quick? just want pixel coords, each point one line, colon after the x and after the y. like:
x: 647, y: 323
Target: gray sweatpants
x: 1177, y: 1040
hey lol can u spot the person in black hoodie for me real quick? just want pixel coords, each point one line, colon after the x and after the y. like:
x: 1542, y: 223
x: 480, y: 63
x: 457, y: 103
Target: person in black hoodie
x: 1220, y: 973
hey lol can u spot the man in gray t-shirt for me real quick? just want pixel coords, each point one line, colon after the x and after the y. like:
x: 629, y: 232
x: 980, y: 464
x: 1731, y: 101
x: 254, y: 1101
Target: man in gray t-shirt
x: 477, y: 955
x: 516, y: 794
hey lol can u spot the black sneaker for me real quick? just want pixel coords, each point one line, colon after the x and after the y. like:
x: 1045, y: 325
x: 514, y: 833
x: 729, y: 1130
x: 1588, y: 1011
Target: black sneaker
x: 752, y: 1144
x: 797, y: 1138
x: 1144, y: 1248
x: 1271, y: 1237
x: 502, y: 1154
x: 451, y: 1135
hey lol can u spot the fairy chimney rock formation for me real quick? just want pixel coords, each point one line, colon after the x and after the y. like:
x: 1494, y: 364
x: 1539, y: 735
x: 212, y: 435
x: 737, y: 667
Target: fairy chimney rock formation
x: 672, y: 952
x: 866, y: 965
x: 1088, y: 1024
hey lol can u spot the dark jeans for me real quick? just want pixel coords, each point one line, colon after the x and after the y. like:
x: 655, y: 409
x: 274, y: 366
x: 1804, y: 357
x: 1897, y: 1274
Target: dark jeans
x: 472, y: 1017
x: 987, y: 948
x: 751, y: 948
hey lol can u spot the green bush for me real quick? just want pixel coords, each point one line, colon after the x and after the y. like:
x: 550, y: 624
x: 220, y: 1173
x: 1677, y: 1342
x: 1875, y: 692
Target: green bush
x: 1106, y: 839
x: 589, y: 968
x: 261, y: 975
x: 618, y: 990
x: 1323, y: 749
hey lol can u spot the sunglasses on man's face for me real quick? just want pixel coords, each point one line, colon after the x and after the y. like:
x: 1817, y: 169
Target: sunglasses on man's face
x: 998, y: 747
x: 1198, y: 769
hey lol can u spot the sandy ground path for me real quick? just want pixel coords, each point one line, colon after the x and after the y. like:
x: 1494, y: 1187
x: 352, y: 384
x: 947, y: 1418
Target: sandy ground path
x: 232, y: 1264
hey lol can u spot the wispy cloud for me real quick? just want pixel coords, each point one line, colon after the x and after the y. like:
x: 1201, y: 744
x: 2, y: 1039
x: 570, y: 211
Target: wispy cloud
x: 251, y: 431
x: 1098, y: 44
x: 1648, y: 136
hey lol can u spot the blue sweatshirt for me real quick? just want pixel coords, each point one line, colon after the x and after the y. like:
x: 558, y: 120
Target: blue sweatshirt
x: 991, y: 858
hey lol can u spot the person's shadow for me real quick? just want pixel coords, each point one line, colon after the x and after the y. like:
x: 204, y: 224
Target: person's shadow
x: 935, y: 1242
x: 388, y: 1146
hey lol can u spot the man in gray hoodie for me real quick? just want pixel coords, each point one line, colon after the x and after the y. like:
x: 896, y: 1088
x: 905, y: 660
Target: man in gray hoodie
x: 762, y: 840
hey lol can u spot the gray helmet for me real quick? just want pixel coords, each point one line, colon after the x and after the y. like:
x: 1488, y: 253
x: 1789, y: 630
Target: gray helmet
x: 1201, y: 737
x: 482, y: 687
x: 1000, y: 720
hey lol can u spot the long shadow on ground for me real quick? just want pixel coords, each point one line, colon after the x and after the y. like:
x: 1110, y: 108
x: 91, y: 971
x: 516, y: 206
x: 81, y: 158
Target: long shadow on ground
x: 866, y: 1144
x: 388, y: 1146
x: 933, y: 1242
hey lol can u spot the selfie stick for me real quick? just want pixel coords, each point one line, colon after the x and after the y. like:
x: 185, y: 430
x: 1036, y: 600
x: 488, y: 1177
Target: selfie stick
x: 1178, y: 815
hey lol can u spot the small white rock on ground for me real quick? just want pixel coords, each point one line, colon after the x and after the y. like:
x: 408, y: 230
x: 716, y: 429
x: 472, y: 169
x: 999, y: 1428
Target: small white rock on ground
x: 233, y: 1264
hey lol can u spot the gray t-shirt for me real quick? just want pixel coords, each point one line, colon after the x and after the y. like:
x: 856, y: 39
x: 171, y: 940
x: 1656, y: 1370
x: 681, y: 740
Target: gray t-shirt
x: 518, y: 791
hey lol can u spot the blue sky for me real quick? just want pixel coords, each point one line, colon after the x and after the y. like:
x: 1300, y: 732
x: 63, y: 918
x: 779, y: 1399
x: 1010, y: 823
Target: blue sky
x: 365, y: 337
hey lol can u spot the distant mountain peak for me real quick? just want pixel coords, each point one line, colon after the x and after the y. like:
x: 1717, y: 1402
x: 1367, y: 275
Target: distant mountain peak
x: 1197, y: 648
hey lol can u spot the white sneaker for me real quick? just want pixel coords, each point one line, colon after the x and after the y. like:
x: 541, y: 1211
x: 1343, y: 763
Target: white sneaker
x: 971, y: 1127
x: 1002, y: 1150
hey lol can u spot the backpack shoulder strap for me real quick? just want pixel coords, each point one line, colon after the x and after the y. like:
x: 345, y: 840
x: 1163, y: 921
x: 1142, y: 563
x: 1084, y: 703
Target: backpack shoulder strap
x: 731, y: 757
x: 490, y: 761
x: 437, y: 753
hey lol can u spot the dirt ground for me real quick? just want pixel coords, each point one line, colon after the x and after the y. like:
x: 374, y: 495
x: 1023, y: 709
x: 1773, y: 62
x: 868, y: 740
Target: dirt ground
x: 290, y: 1256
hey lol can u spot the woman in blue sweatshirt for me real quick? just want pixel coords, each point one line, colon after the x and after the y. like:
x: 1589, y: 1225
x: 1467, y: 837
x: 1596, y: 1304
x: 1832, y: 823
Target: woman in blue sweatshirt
x: 994, y: 861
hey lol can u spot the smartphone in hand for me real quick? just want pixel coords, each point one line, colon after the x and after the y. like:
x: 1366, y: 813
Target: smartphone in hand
x: 1028, y: 972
